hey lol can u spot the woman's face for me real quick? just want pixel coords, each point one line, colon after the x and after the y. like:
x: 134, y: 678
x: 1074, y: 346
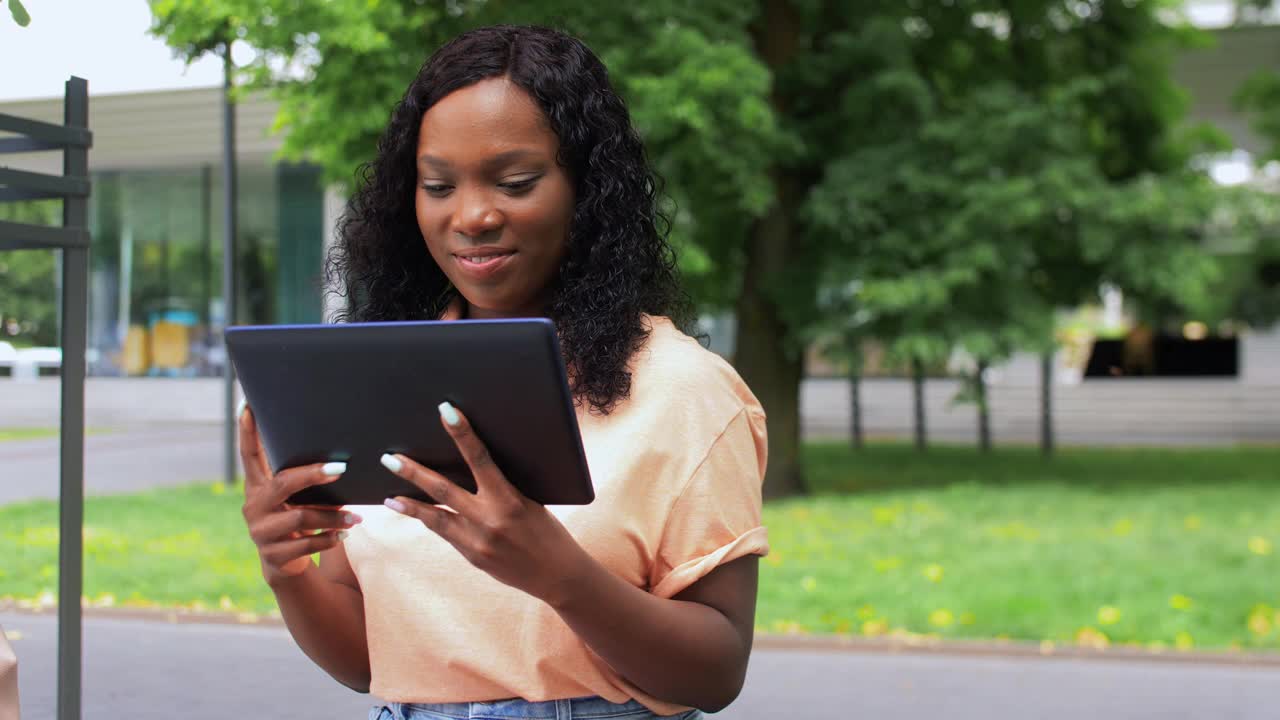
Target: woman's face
x: 493, y: 204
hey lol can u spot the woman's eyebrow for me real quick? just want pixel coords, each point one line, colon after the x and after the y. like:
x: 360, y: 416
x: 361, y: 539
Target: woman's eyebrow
x: 502, y: 158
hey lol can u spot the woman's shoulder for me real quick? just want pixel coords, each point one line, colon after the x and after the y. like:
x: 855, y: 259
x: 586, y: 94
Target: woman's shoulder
x: 673, y: 367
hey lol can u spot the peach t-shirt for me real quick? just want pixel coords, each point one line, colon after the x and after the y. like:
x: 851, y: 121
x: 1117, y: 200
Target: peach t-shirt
x: 677, y: 469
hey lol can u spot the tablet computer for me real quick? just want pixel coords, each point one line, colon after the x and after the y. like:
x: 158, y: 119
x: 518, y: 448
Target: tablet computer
x: 351, y: 392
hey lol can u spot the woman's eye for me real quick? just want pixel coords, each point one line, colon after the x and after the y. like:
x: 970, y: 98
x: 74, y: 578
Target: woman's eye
x: 436, y: 189
x: 518, y: 187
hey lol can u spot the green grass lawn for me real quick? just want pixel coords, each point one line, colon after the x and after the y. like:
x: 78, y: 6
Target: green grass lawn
x: 176, y: 547
x: 1157, y: 547
x: 26, y: 433
x: 23, y: 433
x: 1160, y: 548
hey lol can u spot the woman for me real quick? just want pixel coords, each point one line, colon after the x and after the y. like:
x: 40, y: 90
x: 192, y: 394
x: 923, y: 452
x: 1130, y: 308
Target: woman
x: 510, y: 183
x: 8, y: 679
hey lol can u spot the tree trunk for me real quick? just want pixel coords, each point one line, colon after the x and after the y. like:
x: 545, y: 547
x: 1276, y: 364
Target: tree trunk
x: 917, y: 390
x: 984, y: 412
x: 1046, y: 403
x: 855, y: 406
x: 763, y: 356
x: 769, y: 366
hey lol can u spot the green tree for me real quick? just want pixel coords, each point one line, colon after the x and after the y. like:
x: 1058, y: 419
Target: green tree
x: 761, y: 116
x: 698, y: 89
x: 1245, y: 234
x: 19, y: 13
x: 1041, y: 162
x: 1259, y: 97
x: 1253, y: 279
x: 28, y: 289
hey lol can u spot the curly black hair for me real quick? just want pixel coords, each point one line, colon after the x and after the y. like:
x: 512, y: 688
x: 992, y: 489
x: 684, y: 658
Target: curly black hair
x: 619, y: 264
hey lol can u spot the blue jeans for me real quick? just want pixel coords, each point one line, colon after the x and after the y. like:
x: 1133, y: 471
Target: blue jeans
x: 587, y: 708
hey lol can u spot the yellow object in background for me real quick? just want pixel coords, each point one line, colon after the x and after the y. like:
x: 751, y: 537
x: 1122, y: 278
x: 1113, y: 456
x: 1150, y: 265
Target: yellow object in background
x: 170, y: 345
x: 137, y: 351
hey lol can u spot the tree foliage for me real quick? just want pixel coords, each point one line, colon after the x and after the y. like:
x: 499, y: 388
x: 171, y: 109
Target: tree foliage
x: 945, y: 173
x: 19, y: 13
x: 1043, y: 160
x: 1260, y: 99
x: 28, y: 290
x: 694, y: 88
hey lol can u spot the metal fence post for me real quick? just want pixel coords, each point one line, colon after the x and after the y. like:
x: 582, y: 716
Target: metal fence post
x: 228, y: 262
x: 72, y: 240
x: 75, y: 327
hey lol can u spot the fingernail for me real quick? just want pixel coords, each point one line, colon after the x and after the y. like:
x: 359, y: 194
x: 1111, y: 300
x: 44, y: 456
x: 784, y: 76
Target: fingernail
x: 342, y: 535
x: 334, y: 469
x: 450, y: 414
x: 391, y: 462
x: 395, y: 505
x: 351, y: 518
x: 244, y: 403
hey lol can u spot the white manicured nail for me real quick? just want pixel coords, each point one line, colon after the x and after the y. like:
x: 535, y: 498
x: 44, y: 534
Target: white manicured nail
x: 244, y: 403
x: 342, y: 535
x: 391, y: 462
x: 450, y: 414
x: 334, y: 469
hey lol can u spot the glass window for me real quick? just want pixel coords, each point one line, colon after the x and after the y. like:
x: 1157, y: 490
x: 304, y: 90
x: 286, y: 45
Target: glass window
x: 156, y: 286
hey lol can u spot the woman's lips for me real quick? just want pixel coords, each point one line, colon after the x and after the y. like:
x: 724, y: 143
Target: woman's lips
x: 482, y: 265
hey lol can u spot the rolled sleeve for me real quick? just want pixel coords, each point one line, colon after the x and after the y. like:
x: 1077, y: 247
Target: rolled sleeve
x: 717, y: 517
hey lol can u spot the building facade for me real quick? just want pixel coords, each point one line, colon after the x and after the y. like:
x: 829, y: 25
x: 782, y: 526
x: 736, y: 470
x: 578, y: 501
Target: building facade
x: 156, y: 216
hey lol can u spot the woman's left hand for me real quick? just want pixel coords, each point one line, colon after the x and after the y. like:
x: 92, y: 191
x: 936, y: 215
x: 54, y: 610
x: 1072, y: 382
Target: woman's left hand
x: 497, y: 529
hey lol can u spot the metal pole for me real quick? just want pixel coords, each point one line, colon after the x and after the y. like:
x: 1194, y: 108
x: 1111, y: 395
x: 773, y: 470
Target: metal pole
x: 855, y: 403
x: 206, y: 244
x: 984, y: 411
x: 75, y: 324
x: 228, y: 259
x: 917, y: 385
x: 1046, y: 402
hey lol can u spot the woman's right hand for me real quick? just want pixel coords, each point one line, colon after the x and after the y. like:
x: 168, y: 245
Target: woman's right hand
x: 286, y: 535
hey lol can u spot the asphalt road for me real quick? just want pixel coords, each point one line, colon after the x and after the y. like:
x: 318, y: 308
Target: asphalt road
x: 123, y: 460
x: 154, y: 670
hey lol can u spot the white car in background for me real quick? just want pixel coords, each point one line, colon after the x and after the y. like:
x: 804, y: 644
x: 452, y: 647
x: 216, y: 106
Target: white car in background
x: 26, y: 363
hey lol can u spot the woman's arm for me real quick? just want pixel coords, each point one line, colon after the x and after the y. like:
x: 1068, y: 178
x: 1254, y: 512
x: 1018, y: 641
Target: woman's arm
x: 322, y: 607
x: 324, y: 611
x: 691, y: 649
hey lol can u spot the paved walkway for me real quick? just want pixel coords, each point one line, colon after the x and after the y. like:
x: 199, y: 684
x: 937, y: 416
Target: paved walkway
x: 158, y: 671
x: 126, y: 459
x: 142, y: 670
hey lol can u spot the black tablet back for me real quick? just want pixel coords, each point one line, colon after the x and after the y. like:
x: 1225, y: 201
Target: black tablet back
x: 351, y: 392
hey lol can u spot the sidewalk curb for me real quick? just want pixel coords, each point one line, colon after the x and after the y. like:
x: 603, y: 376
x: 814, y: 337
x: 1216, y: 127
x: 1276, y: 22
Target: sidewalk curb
x: 1011, y: 649
x: 995, y: 649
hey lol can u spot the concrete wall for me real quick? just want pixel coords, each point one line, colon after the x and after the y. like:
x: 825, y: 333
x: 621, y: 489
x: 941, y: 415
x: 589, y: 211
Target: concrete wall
x: 1260, y: 358
x: 1095, y: 412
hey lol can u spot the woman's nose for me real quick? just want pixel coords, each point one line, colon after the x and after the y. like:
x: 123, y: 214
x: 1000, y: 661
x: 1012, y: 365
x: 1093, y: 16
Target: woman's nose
x: 476, y: 214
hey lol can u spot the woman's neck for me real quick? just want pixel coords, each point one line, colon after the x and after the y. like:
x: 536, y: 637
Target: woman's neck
x: 471, y: 312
